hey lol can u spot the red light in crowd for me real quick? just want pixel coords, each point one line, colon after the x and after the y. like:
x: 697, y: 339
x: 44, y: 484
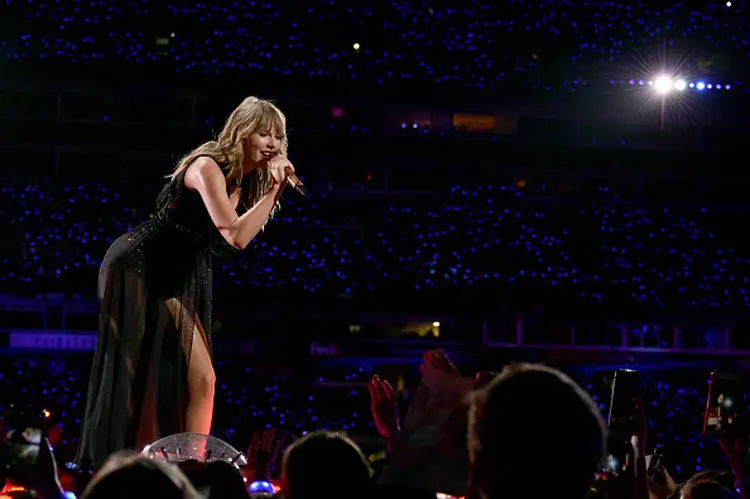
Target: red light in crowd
x: 9, y: 489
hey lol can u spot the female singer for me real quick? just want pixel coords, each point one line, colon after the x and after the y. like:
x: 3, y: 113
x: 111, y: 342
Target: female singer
x: 152, y: 374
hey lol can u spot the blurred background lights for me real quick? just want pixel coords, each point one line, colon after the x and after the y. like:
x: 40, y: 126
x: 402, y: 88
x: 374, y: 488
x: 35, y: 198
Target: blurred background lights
x: 663, y: 84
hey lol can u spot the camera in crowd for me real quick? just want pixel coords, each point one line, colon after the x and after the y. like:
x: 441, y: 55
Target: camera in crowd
x: 22, y: 432
x: 722, y: 419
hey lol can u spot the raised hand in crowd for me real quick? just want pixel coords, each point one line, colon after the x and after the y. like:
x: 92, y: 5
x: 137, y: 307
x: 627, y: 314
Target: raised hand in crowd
x: 633, y: 482
x: 639, y: 444
x: 384, y: 409
x: 734, y: 448
x: 437, y: 360
x: 661, y: 485
x: 262, y: 454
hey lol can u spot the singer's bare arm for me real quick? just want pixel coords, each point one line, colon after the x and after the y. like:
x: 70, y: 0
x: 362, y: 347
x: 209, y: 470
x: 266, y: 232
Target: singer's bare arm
x: 205, y: 177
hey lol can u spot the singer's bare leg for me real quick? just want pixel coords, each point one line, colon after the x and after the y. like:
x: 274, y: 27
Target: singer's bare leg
x: 201, y: 379
x: 201, y: 384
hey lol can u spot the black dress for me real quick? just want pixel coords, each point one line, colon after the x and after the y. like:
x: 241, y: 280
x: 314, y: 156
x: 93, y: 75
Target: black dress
x: 138, y: 386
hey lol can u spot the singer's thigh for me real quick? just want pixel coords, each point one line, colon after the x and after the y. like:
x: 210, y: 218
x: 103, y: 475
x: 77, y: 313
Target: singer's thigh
x: 201, y: 375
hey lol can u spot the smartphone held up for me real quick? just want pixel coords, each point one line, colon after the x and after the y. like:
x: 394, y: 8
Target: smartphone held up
x: 21, y: 435
x: 724, y: 405
x: 623, y: 407
x: 623, y: 415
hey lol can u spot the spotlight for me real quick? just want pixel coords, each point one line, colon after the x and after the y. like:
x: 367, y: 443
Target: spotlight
x: 700, y: 85
x: 663, y: 84
x: 680, y: 85
x: 709, y: 86
x: 691, y: 85
x: 727, y: 87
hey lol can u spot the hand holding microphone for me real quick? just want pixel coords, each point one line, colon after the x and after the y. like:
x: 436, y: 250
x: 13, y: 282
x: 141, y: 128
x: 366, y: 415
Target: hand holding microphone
x: 283, y: 171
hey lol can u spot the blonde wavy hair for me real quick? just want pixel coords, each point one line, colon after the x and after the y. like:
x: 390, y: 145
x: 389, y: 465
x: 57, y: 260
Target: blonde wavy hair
x: 251, y: 116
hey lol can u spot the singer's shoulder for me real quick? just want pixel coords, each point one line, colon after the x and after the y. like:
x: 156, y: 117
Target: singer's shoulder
x: 204, y: 170
x: 207, y: 158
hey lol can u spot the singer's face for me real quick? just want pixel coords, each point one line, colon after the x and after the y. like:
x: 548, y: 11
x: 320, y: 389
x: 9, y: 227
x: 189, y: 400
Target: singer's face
x: 263, y: 145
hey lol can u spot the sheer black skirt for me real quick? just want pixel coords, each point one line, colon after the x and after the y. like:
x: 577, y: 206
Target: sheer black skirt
x: 154, y: 283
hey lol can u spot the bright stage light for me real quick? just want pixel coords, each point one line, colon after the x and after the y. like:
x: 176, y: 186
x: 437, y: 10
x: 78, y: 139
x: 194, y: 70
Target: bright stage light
x: 680, y: 85
x: 700, y: 85
x: 663, y: 84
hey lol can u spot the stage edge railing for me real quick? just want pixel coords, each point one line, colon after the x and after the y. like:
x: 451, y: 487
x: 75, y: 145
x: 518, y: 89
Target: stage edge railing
x: 688, y: 338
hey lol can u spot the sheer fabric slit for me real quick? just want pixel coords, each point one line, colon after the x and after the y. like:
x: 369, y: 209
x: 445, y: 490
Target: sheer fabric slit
x: 201, y: 378
x: 190, y: 326
x: 138, y: 390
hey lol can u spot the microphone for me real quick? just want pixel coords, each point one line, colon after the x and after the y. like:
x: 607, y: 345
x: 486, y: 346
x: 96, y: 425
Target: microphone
x: 295, y: 182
